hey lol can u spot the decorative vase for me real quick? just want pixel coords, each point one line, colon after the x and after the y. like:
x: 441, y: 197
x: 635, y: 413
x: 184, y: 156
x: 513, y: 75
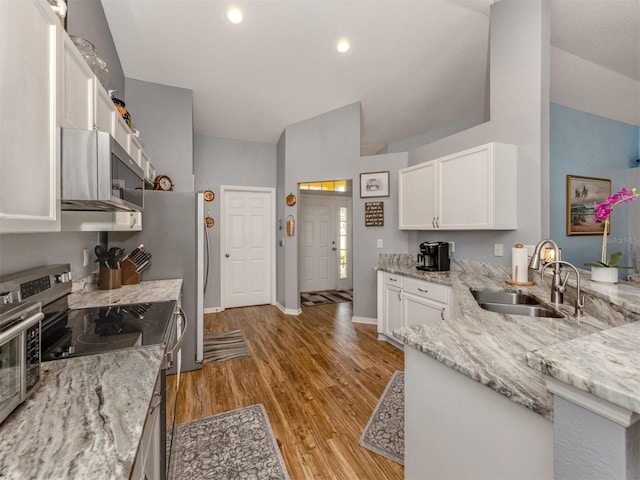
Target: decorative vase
x: 604, y: 274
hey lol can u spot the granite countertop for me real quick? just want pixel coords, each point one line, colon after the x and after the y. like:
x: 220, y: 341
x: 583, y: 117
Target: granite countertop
x: 492, y: 348
x: 147, y: 291
x: 84, y: 419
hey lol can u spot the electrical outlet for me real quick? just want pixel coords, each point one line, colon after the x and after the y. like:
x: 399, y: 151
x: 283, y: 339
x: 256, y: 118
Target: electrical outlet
x: 530, y: 250
x: 85, y: 257
x: 498, y: 250
x: 452, y: 247
x: 380, y: 243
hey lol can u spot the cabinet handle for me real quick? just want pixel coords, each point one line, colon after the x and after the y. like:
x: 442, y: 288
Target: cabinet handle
x: 423, y: 290
x: 393, y: 279
x: 399, y: 297
x: 442, y: 313
x: 158, y: 400
x: 437, y: 222
x: 433, y: 222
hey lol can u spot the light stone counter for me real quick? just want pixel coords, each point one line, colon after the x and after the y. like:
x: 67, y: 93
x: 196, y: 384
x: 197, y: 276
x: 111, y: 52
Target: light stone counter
x: 492, y: 348
x: 84, y: 419
x: 147, y: 291
x: 605, y: 364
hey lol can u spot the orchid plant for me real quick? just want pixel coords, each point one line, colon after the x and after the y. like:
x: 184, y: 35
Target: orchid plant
x: 603, y: 212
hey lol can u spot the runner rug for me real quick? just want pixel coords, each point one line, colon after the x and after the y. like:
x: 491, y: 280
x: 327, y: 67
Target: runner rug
x: 384, y: 434
x: 233, y: 445
x: 309, y: 299
x: 224, y: 346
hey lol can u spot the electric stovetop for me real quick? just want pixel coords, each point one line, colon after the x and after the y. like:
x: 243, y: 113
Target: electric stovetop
x: 102, y: 329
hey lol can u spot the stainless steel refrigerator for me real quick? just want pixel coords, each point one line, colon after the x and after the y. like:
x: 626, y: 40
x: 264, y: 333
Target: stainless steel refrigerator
x: 175, y: 234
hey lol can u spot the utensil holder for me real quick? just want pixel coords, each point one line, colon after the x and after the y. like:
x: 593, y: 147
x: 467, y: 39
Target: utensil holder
x: 129, y: 274
x: 110, y: 278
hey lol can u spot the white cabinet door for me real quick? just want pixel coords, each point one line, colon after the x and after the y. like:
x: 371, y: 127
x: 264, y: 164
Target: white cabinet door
x: 417, y: 196
x: 418, y: 310
x: 393, y: 309
x: 121, y: 132
x: 76, y: 88
x: 465, y: 187
x: 147, y: 464
x: 30, y: 139
x: 105, y: 112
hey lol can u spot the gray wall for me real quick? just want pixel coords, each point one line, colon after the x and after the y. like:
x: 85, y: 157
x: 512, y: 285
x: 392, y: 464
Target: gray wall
x: 281, y: 206
x: 365, y: 250
x: 519, y: 67
x: 86, y: 19
x: 327, y: 147
x: 164, y: 116
x: 221, y: 161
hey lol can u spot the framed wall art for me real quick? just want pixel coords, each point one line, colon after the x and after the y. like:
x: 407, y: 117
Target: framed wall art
x: 583, y: 195
x: 374, y: 184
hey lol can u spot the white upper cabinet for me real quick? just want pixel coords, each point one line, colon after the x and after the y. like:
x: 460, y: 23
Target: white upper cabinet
x: 105, y: 113
x: 471, y: 190
x: 29, y: 133
x: 76, y: 88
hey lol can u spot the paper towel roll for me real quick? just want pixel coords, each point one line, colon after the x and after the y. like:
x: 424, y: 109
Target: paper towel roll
x: 519, y: 264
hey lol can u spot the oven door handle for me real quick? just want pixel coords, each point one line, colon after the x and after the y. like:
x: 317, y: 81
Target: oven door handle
x: 178, y: 344
x: 16, y: 329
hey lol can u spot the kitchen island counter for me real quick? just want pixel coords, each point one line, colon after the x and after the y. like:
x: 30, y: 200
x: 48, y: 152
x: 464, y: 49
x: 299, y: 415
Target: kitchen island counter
x: 143, y: 292
x: 492, y: 348
x: 84, y: 419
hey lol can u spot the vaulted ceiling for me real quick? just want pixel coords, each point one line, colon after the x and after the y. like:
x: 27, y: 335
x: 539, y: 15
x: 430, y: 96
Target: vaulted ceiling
x: 415, y: 65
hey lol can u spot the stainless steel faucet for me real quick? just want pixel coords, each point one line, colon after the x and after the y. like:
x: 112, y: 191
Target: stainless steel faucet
x: 579, y: 304
x: 557, y: 289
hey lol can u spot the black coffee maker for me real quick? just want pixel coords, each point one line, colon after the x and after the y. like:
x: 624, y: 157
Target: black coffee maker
x: 434, y: 256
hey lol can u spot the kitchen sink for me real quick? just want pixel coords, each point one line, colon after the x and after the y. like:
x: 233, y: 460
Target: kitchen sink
x: 513, y: 303
x: 521, y: 309
x: 509, y: 298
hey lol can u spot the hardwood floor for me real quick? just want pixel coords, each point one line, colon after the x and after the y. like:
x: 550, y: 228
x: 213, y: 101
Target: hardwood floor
x: 319, y: 377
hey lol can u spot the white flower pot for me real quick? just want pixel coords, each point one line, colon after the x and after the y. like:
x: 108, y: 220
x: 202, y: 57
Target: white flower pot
x: 604, y: 274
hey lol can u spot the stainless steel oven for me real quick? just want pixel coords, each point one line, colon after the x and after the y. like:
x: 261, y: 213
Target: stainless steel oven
x: 19, y: 353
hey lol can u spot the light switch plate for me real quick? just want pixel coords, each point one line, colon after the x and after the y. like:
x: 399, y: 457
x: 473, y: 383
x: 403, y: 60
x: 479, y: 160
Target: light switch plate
x: 498, y: 250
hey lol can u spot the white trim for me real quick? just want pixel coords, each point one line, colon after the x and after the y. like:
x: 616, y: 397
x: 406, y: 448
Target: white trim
x: 599, y: 406
x: 288, y: 311
x: 213, y: 310
x: 367, y: 320
x: 272, y: 235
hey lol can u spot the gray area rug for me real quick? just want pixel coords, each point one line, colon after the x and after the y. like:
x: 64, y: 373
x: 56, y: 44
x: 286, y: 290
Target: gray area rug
x: 384, y: 433
x: 309, y: 299
x: 224, y: 346
x: 233, y: 445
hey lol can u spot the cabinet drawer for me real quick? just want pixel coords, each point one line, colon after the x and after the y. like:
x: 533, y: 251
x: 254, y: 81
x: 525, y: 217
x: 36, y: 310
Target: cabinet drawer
x: 432, y: 291
x: 393, y: 279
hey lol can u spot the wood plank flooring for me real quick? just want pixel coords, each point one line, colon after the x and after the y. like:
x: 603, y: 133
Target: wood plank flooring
x: 319, y: 377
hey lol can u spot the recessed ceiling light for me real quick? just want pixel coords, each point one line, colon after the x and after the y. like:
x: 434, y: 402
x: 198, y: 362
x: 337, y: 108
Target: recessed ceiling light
x: 234, y: 15
x: 343, y: 46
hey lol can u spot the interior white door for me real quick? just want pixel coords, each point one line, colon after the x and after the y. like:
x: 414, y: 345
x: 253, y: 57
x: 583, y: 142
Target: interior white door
x: 247, y: 249
x: 318, y: 244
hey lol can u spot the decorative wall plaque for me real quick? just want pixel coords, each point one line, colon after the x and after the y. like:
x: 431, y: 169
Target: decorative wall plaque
x: 374, y: 214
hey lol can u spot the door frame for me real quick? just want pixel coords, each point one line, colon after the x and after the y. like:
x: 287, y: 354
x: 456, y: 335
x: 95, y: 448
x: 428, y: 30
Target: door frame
x: 224, y: 189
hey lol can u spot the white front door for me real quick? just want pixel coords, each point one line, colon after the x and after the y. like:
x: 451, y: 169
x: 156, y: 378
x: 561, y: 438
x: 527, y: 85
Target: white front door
x: 247, y: 246
x: 325, y: 243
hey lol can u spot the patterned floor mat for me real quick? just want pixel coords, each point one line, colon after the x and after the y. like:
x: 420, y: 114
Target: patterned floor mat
x: 309, y: 299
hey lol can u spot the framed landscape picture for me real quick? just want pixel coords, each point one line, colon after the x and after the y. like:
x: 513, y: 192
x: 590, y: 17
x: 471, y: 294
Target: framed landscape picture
x: 374, y: 184
x: 583, y: 195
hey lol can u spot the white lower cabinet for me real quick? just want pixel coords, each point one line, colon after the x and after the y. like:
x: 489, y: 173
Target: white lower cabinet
x: 404, y: 301
x: 148, y: 462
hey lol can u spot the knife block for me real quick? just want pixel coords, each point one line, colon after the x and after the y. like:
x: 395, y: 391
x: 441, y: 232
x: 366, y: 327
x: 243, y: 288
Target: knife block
x: 129, y: 274
x: 110, y: 278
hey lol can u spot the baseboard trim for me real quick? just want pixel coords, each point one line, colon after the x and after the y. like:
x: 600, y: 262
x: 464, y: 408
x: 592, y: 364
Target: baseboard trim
x: 288, y: 311
x: 213, y: 310
x: 367, y: 320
